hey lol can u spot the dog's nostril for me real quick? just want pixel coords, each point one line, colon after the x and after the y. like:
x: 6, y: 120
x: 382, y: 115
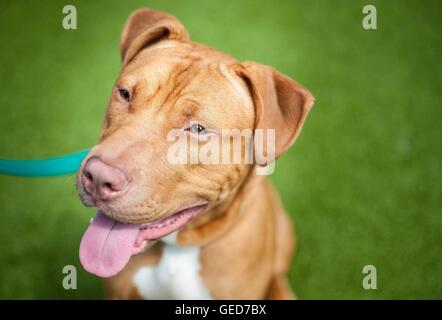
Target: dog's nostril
x: 87, y: 175
x: 109, y: 186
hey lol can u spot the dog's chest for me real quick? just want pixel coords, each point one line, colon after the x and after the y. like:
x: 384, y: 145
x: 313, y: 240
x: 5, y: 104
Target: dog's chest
x: 176, y: 276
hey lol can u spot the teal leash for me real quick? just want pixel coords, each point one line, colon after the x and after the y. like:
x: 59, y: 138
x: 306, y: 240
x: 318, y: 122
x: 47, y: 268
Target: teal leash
x: 48, y: 167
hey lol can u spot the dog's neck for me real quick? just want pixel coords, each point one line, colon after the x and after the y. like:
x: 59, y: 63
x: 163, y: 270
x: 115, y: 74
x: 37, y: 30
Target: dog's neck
x: 220, y: 218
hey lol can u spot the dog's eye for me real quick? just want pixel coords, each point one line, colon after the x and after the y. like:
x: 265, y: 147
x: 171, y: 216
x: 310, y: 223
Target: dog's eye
x: 124, y: 94
x: 196, y: 128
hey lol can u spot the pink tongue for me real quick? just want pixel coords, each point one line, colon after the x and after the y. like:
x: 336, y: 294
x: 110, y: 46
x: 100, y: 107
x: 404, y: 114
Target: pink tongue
x: 107, y: 246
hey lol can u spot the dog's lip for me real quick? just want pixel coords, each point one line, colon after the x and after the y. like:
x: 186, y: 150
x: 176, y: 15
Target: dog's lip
x: 169, y: 224
x: 166, y: 220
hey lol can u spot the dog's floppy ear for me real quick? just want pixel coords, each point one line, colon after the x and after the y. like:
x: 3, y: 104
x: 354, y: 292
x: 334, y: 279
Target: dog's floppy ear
x: 145, y: 27
x: 280, y: 104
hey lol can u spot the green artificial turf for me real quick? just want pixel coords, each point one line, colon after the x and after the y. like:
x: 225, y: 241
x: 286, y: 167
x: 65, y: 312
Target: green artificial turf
x: 362, y: 184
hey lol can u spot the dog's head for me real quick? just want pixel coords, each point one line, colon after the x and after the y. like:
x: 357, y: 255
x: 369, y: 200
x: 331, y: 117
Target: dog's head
x: 171, y: 89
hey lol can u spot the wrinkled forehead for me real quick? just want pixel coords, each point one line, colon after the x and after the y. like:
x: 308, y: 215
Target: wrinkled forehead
x: 198, y: 74
x: 158, y: 60
x: 222, y: 97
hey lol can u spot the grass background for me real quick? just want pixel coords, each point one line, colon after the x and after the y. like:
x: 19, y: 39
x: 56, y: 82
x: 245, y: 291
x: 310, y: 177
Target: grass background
x: 363, y: 182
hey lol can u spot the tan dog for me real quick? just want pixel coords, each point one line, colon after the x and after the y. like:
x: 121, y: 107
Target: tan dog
x: 187, y: 231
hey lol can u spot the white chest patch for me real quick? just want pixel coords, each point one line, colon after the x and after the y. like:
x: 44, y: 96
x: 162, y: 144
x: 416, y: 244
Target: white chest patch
x: 176, y: 276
